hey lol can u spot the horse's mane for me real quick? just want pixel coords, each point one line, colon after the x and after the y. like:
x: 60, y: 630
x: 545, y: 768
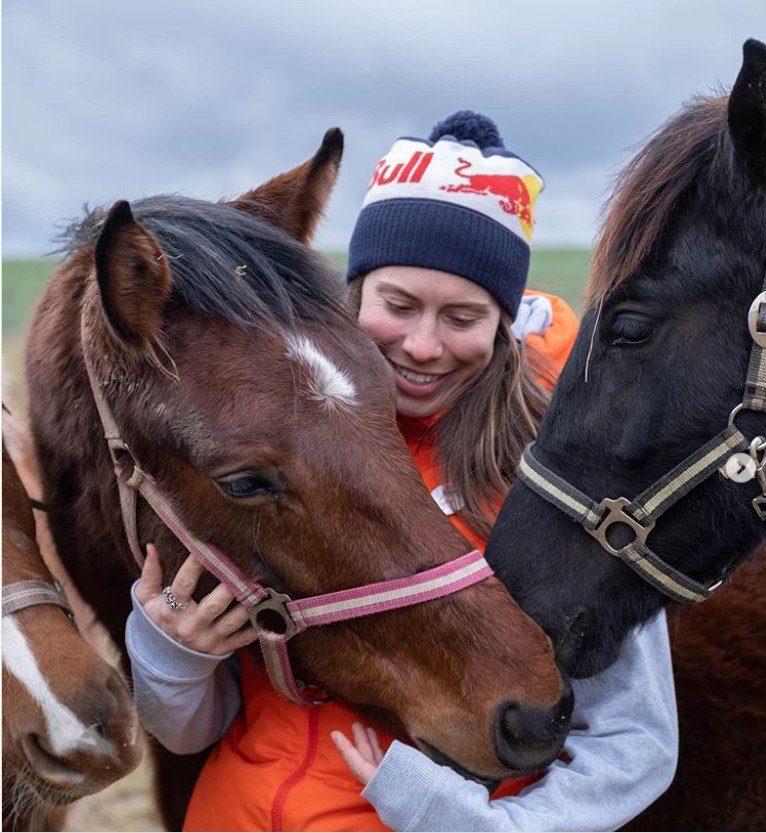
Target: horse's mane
x: 649, y: 188
x: 226, y: 262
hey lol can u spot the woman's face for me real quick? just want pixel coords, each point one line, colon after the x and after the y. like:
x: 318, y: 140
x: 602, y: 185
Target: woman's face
x: 436, y: 330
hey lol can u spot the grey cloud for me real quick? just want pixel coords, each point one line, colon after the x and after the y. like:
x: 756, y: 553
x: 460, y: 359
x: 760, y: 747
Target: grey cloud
x: 106, y: 100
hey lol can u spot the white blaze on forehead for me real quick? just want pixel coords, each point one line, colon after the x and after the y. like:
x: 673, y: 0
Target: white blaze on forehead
x: 66, y: 732
x: 328, y: 382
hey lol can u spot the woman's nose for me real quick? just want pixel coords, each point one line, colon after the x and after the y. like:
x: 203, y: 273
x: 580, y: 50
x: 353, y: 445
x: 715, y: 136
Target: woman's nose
x: 423, y: 344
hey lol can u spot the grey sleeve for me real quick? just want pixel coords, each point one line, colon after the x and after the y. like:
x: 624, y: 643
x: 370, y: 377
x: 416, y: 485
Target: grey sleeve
x: 624, y: 748
x: 185, y: 698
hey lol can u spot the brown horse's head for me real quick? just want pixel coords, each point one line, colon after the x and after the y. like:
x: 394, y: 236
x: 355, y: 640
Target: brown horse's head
x: 243, y: 387
x: 69, y: 725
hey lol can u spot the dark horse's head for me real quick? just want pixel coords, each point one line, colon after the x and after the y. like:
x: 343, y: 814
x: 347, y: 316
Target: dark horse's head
x: 660, y: 362
x: 243, y: 387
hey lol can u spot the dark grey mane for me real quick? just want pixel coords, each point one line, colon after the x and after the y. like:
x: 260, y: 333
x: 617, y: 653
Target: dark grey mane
x: 228, y: 263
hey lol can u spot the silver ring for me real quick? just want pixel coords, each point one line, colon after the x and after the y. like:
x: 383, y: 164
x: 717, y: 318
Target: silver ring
x: 171, y: 600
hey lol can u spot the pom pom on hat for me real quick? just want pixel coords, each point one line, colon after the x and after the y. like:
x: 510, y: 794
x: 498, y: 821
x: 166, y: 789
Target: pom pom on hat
x: 467, y: 126
x: 458, y: 202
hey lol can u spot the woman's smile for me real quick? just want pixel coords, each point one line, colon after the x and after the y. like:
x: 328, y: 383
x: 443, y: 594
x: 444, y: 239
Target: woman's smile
x: 415, y: 383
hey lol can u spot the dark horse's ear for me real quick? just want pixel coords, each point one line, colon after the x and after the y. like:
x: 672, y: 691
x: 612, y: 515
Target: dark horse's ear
x: 747, y: 110
x: 296, y: 199
x: 133, y: 277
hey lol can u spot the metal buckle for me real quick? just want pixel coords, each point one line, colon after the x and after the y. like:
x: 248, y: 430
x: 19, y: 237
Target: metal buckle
x: 276, y: 602
x: 618, y: 515
x: 759, y: 505
x: 759, y: 336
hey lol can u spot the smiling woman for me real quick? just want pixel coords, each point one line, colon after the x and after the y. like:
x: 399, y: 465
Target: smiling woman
x: 436, y: 330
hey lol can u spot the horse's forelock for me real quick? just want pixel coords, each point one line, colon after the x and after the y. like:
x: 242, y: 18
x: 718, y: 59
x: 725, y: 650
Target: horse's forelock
x: 230, y: 264
x: 648, y: 190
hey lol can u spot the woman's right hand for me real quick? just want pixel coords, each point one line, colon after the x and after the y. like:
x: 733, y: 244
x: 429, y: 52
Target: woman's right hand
x: 207, y: 626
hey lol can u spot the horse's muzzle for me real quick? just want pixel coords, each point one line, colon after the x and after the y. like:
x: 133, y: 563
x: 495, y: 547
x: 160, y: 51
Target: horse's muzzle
x: 528, y: 739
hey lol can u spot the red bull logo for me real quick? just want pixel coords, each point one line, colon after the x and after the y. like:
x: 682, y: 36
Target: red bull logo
x: 512, y: 190
x: 410, y: 171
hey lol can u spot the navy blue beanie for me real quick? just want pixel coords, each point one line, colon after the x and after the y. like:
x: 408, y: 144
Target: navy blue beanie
x: 458, y: 202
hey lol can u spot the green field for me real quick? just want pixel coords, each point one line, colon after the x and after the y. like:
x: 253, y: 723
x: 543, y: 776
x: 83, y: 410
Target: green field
x: 561, y: 271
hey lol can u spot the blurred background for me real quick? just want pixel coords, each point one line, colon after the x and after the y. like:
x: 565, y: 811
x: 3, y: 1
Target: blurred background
x: 104, y: 100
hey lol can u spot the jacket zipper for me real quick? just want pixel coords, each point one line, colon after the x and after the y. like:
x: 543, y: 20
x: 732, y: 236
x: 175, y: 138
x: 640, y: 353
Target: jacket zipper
x: 282, y: 793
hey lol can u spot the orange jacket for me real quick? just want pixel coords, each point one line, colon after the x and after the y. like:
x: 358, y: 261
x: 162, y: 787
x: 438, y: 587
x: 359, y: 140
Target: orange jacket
x: 277, y: 768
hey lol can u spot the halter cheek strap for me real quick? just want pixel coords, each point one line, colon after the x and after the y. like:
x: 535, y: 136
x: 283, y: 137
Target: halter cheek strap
x: 296, y: 615
x: 22, y: 594
x: 728, y: 451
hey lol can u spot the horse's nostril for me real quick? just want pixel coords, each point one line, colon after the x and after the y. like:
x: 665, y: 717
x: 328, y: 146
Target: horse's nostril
x: 528, y: 738
x: 45, y: 763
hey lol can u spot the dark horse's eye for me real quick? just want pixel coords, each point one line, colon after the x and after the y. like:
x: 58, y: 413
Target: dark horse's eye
x: 244, y: 484
x: 630, y: 329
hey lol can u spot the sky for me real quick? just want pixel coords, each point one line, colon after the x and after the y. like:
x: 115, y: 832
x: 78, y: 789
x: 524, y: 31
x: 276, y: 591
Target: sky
x: 110, y: 99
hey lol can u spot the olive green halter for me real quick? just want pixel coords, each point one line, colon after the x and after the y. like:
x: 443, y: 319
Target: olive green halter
x: 729, y: 451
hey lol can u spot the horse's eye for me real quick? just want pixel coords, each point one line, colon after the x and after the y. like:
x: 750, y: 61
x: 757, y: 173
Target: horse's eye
x: 630, y: 329
x: 245, y: 484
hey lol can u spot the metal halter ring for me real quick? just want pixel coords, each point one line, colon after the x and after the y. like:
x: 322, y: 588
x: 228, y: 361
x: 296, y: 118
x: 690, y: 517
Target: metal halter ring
x: 758, y: 336
x: 171, y: 600
x: 617, y: 514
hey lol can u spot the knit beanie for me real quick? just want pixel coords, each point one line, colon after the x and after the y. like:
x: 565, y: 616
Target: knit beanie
x: 457, y: 202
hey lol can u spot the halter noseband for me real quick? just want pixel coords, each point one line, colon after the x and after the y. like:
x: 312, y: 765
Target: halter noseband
x: 296, y: 615
x: 729, y: 450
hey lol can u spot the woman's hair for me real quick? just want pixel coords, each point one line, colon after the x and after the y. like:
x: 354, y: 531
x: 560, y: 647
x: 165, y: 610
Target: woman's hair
x: 481, y: 437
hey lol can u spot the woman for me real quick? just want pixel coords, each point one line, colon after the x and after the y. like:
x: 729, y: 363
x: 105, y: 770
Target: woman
x: 437, y: 266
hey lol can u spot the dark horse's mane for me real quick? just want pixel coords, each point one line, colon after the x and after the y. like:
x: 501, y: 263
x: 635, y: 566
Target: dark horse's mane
x: 651, y: 187
x: 228, y: 263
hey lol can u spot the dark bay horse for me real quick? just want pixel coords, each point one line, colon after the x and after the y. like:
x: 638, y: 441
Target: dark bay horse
x: 222, y: 346
x: 658, y: 368
x: 69, y: 724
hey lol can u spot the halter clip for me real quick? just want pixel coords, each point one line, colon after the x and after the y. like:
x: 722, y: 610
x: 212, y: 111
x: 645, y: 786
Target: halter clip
x: 617, y: 515
x: 759, y: 336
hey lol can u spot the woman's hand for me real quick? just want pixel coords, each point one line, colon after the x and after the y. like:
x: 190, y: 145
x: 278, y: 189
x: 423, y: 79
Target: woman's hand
x: 205, y: 626
x: 364, y: 755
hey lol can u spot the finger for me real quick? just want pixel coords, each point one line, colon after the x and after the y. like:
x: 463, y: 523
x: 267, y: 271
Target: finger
x: 150, y: 583
x: 216, y: 602
x: 240, y: 639
x: 185, y: 581
x: 362, y: 742
x: 377, y: 752
x: 361, y: 769
x: 232, y: 621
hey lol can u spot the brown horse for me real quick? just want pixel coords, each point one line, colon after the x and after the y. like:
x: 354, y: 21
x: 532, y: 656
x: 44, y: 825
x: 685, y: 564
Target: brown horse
x: 223, y: 348
x: 719, y: 661
x: 69, y: 725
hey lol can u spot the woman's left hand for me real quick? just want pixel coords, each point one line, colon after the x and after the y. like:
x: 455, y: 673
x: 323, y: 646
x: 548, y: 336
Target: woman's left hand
x: 364, y: 755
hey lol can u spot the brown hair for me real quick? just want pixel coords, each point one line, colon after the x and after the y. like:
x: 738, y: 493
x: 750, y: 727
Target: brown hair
x: 481, y: 437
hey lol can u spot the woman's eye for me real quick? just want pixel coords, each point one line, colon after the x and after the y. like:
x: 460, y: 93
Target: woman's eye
x: 462, y: 323
x: 630, y: 330
x: 249, y: 484
x: 399, y: 309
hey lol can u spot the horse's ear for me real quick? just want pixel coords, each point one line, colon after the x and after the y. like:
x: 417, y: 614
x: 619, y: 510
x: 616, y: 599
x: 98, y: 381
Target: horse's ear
x: 133, y: 277
x: 295, y: 200
x: 747, y: 110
